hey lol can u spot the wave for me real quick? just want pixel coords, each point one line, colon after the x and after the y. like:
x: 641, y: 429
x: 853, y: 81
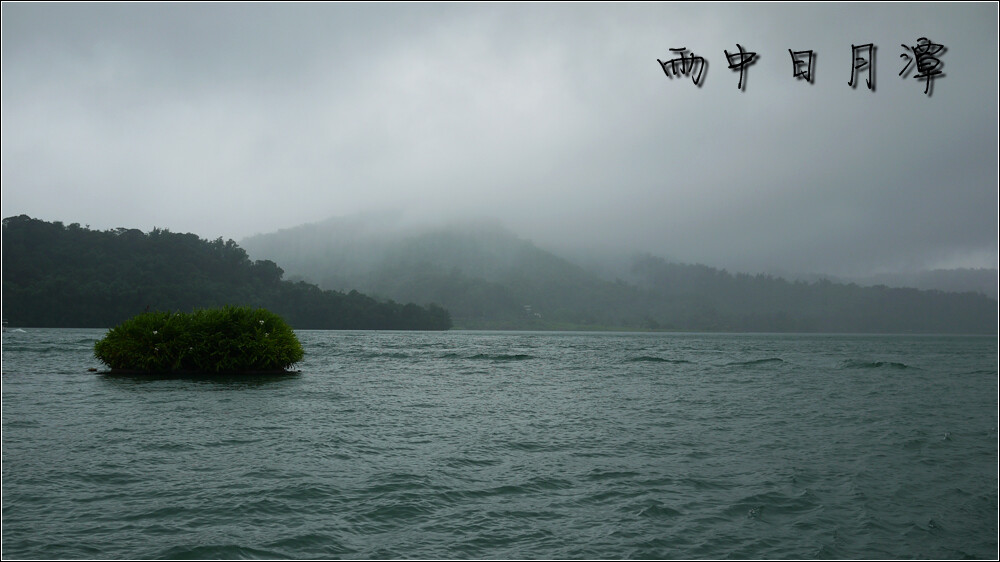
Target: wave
x: 755, y: 362
x: 323, y: 545
x: 501, y: 357
x: 386, y: 355
x: 467, y: 462
x: 36, y: 348
x: 980, y: 372
x: 559, y: 456
x: 222, y: 551
x: 659, y: 511
x: 861, y: 364
x: 776, y: 503
x: 654, y: 359
x: 599, y: 475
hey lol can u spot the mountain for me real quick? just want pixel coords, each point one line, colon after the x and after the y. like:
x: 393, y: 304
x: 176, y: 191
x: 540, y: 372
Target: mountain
x: 67, y: 276
x: 489, y: 278
x: 960, y: 280
x: 483, y: 274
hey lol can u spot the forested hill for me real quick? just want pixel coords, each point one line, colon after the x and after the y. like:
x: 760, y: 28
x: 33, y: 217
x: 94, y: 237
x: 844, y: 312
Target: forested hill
x: 488, y: 278
x: 68, y: 276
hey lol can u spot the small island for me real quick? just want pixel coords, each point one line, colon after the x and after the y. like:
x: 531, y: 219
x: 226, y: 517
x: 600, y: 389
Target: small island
x: 227, y: 340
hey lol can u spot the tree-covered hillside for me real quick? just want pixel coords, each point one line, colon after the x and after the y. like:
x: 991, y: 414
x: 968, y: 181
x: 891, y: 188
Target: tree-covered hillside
x: 681, y: 294
x: 488, y: 278
x: 70, y: 276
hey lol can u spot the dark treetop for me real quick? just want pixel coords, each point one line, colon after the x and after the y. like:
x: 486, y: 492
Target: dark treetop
x: 71, y: 276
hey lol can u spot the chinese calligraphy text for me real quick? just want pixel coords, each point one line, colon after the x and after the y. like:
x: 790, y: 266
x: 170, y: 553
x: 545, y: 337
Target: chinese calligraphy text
x: 924, y: 56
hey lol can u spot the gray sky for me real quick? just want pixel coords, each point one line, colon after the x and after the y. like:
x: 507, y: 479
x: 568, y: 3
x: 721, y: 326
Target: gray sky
x: 235, y: 119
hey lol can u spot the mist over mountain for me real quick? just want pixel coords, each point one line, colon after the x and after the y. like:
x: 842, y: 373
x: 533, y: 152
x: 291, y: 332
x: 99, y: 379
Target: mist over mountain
x: 57, y: 275
x: 228, y: 119
x: 490, y: 278
x: 976, y: 280
x: 481, y: 269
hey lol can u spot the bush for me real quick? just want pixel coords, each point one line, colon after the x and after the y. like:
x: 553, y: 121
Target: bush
x: 222, y: 340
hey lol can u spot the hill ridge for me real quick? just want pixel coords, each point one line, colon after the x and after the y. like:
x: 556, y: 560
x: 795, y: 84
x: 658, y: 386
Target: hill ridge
x: 488, y: 277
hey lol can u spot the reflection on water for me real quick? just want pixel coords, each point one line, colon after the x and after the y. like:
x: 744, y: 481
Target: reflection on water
x: 230, y: 380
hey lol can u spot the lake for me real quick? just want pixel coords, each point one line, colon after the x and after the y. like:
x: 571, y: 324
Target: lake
x: 511, y: 445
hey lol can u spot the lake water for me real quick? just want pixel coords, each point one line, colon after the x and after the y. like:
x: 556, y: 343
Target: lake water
x: 510, y: 445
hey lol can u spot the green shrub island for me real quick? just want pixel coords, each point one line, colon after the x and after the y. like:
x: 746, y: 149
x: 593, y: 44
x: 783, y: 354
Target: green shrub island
x: 222, y: 340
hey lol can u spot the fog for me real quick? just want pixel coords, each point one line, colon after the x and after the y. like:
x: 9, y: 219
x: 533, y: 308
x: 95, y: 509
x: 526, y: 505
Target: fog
x: 556, y: 120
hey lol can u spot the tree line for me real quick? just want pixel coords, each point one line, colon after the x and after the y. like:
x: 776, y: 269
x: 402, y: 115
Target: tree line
x: 488, y: 278
x: 715, y: 299
x: 57, y: 275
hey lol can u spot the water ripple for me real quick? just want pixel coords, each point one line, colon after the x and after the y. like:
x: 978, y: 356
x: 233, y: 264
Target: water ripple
x: 482, y: 445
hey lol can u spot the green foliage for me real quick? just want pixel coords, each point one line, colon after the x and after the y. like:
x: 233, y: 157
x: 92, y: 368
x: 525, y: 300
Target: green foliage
x: 228, y: 339
x: 56, y: 275
x: 59, y: 276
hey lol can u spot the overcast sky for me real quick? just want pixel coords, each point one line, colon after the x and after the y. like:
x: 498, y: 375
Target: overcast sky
x: 235, y: 119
